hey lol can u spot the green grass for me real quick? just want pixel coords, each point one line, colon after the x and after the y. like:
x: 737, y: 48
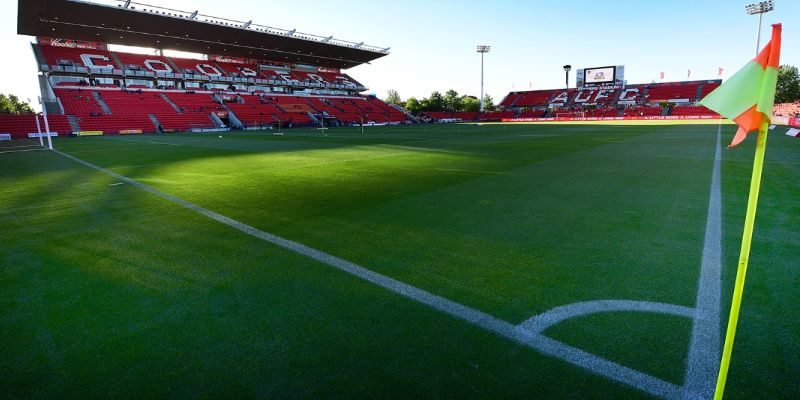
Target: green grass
x: 110, y: 291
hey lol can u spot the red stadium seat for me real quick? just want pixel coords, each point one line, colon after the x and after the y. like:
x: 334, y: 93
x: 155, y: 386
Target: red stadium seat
x: 20, y: 125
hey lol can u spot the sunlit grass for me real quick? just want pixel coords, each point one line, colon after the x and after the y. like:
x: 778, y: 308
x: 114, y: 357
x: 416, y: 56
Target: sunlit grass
x: 109, y: 290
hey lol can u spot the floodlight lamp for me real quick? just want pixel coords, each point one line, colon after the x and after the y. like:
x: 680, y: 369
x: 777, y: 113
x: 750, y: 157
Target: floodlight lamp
x: 484, y: 49
x: 568, y: 68
x: 761, y: 7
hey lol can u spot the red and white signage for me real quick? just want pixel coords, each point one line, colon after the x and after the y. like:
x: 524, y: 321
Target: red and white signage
x: 317, y: 78
x: 246, y: 71
x: 209, y: 70
x: 629, y: 95
x: 97, y: 61
x: 230, y: 60
x: 157, y: 66
x: 584, y: 96
x: 561, y: 98
x: 644, y: 118
x: 72, y: 44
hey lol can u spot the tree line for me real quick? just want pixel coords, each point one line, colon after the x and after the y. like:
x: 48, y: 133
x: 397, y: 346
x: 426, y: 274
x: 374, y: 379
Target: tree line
x: 13, y: 105
x: 450, y: 101
x: 788, y: 90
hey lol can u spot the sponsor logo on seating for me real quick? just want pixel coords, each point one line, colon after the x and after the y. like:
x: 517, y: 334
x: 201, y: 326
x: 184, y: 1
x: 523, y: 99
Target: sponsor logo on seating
x: 43, y: 134
x: 230, y: 60
x: 71, y: 44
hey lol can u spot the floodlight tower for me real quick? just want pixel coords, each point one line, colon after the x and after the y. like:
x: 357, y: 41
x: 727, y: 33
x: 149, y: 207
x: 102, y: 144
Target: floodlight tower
x: 760, y: 8
x: 567, y: 68
x: 483, y: 50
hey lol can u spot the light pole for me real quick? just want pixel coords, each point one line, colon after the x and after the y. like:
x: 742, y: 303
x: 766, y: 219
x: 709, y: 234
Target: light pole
x: 483, y: 50
x: 567, y: 68
x: 760, y: 8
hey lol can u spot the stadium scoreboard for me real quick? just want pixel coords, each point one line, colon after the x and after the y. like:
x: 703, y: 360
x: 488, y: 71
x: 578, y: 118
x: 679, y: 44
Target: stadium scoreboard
x: 601, y: 76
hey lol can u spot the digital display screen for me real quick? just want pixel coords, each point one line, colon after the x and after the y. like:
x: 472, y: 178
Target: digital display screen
x: 599, y: 75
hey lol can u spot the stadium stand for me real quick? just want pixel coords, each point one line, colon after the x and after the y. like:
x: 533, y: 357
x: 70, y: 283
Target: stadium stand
x: 93, y: 86
x: 116, y: 124
x: 644, y: 111
x: 532, y: 114
x: 197, y: 67
x: 241, y: 70
x: 20, y: 125
x: 673, y: 91
x: 631, y: 101
x: 692, y: 110
x: 534, y: 99
x: 74, y: 57
x: 791, y: 110
x: 258, y: 111
x: 140, y: 62
x: 176, y: 110
x: 496, y: 115
x: 79, y: 102
x: 602, y: 113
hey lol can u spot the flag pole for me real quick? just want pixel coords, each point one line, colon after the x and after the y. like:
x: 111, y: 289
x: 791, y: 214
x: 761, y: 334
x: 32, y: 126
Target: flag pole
x: 744, y: 257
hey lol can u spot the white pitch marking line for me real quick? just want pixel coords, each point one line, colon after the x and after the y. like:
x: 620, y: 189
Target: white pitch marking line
x: 162, y: 143
x: 147, y: 141
x: 704, y: 351
x: 20, y: 151
x: 541, y: 322
x: 543, y: 344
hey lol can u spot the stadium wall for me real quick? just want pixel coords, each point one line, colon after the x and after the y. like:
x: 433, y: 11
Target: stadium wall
x: 640, y: 118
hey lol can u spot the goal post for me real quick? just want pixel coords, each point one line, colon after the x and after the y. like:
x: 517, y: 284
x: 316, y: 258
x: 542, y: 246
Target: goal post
x: 573, y: 114
x: 46, y: 124
x: 39, y: 130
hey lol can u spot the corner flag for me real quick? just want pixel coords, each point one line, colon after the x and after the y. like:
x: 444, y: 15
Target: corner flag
x: 747, y: 98
x: 749, y: 95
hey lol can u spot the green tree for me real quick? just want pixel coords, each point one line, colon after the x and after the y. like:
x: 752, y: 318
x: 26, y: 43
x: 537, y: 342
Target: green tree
x: 470, y: 104
x: 435, y: 102
x: 5, y: 104
x: 788, y: 89
x: 452, y: 101
x: 488, y: 103
x: 413, y: 105
x: 12, y: 104
x: 392, y: 97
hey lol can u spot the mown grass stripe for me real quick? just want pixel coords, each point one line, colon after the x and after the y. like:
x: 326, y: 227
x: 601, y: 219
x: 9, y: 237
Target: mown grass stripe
x: 545, y: 345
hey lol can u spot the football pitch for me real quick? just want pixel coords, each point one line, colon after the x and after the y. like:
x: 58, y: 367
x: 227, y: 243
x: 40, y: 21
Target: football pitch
x: 447, y: 261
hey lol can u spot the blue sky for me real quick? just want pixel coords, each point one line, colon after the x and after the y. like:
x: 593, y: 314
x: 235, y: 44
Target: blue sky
x: 433, y: 42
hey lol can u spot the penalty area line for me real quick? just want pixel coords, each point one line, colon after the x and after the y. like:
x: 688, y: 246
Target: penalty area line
x: 518, y: 334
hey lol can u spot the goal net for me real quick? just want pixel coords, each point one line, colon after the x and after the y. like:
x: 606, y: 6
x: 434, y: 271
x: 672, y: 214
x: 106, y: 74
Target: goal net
x: 571, y: 114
